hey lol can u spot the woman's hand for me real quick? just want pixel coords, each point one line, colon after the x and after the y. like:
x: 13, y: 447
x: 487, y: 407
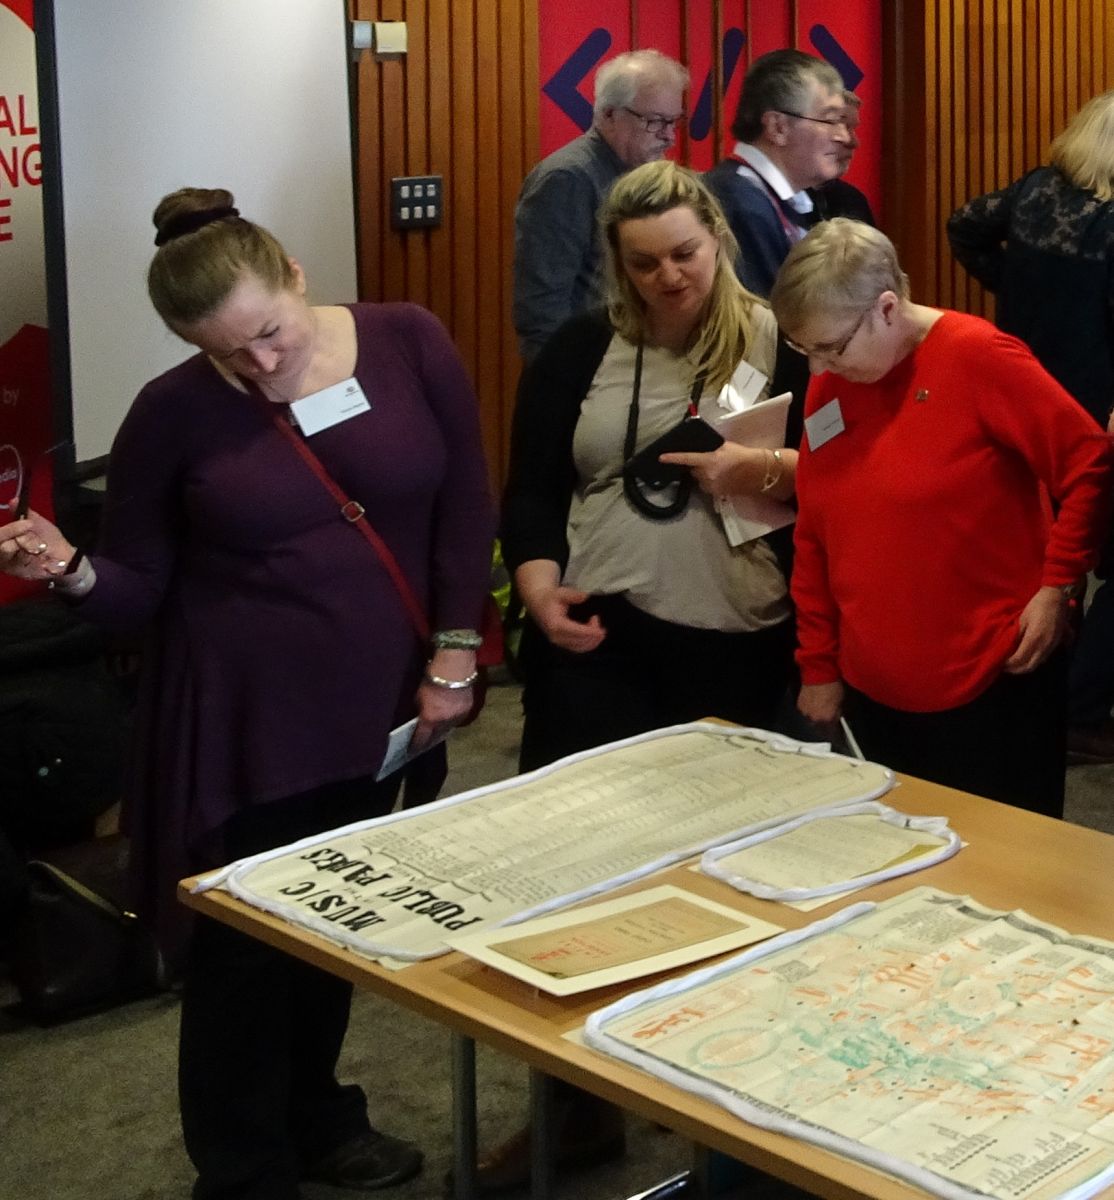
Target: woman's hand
x: 550, y: 609
x: 33, y: 548
x: 728, y: 470
x: 548, y: 603
x: 822, y: 704
x: 1041, y: 628
x: 440, y: 708
x: 736, y: 470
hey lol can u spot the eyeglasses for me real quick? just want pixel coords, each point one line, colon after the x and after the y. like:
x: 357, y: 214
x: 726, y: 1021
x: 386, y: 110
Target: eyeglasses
x: 831, y: 122
x: 831, y: 349
x: 656, y: 124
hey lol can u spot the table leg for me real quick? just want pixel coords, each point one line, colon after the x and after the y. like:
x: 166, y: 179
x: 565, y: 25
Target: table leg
x: 542, y: 1137
x: 465, y: 1146
x: 700, y: 1172
x: 682, y: 1184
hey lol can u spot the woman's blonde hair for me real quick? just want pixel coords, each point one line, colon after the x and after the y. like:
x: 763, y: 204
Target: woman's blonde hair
x: 1084, y: 151
x: 840, y: 268
x: 724, y: 333
x: 205, y: 248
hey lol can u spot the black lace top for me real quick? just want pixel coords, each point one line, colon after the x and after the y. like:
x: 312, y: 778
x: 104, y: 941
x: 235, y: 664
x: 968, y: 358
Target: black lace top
x: 1045, y: 248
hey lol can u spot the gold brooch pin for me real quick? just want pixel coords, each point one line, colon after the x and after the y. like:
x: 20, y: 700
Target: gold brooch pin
x: 922, y: 395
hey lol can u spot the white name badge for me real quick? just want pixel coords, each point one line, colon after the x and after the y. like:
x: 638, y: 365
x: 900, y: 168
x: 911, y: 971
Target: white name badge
x: 742, y: 389
x: 330, y: 406
x: 824, y: 424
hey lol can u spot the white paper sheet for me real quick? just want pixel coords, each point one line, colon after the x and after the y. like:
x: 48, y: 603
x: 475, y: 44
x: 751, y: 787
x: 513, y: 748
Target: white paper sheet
x: 820, y: 855
x: 400, y: 884
x: 763, y: 427
x: 967, y: 1051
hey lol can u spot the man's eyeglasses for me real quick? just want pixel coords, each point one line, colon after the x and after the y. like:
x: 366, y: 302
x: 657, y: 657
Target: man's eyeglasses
x: 655, y: 123
x: 831, y: 122
x: 831, y: 349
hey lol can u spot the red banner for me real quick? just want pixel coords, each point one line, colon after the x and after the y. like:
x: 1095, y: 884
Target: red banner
x: 25, y: 412
x: 578, y: 36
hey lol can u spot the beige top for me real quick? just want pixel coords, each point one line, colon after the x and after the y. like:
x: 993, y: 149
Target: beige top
x: 682, y: 569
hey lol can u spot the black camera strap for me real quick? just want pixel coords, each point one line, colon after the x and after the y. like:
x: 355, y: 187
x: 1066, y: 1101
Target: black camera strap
x: 632, y: 413
x: 633, y: 487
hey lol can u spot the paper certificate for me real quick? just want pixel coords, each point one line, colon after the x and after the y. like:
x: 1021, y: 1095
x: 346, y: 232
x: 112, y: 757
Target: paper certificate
x: 602, y: 944
x: 401, y: 885
x: 967, y: 1051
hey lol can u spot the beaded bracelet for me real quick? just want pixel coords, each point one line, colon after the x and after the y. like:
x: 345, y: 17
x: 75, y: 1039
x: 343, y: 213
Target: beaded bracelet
x: 456, y: 639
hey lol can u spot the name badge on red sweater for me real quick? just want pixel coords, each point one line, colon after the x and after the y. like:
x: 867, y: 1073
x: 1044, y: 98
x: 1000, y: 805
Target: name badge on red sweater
x: 330, y: 406
x: 824, y: 424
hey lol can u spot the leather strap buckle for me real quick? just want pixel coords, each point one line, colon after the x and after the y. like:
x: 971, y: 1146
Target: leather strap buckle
x: 352, y: 511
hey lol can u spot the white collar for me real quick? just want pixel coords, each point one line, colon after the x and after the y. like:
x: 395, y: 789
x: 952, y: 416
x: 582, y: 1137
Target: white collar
x: 761, y: 165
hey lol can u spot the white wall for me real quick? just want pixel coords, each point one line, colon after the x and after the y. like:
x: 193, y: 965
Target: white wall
x: 153, y: 95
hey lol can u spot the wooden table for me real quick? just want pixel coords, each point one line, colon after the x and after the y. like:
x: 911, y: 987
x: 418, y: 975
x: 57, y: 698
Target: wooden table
x: 1058, y: 872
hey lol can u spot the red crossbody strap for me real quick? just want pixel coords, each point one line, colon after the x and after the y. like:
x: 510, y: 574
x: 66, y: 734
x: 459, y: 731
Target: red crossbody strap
x: 353, y: 512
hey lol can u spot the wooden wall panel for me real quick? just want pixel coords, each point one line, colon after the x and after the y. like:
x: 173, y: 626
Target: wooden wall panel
x: 975, y: 92
x: 463, y: 104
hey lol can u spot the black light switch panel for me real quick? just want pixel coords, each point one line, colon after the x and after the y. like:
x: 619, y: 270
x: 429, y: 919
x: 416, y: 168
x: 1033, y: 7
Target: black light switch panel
x: 417, y: 201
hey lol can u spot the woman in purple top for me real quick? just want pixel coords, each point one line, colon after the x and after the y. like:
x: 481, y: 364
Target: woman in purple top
x: 282, y: 653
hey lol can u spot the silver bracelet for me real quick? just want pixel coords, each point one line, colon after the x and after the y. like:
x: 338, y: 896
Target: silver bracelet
x: 451, y: 685
x: 76, y: 584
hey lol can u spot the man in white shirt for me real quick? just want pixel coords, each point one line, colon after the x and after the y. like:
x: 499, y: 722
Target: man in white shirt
x: 791, y: 136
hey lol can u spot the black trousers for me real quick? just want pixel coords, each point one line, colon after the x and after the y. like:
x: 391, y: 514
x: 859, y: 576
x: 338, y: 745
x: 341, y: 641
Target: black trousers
x: 646, y: 673
x: 1009, y: 743
x: 261, y: 1031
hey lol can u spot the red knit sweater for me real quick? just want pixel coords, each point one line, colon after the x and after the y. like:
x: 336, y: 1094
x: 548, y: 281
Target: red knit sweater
x: 924, y: 529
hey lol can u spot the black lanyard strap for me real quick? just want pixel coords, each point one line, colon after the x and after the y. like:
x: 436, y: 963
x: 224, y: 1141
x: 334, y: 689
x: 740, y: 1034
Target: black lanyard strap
x: 692, y: 410
x: 638, y: 491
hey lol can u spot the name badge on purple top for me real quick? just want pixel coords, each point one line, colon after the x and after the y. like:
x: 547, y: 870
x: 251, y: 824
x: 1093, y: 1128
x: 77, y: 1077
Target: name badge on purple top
x: 330, y: 406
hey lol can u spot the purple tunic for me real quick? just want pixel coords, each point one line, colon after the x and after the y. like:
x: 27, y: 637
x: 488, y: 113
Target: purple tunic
x: 282, y: 653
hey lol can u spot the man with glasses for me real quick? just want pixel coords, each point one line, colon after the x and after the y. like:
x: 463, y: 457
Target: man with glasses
x: 638, y: 107
x: 837, y: 197
x: 791, y: 132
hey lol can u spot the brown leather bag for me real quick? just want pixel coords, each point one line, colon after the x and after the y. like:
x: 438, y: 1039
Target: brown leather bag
x: 76, y: 948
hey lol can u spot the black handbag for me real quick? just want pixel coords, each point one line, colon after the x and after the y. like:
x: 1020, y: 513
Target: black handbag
x: 76, y: 948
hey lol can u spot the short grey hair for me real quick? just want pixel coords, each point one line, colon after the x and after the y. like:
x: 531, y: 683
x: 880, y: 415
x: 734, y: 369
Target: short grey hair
x: 623, y: 77
x: 840, y: 268
x: 778, y: 82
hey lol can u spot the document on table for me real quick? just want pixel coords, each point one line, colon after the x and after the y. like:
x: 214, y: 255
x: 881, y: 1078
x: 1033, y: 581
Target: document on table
x: 819, y: 856
x: 967, y: 1051
x: 614, y: 941
x: 763, y: 427
x: 402, y: 884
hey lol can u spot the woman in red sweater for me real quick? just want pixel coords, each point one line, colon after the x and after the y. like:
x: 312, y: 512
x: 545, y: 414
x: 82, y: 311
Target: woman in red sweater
x: 932, y: 584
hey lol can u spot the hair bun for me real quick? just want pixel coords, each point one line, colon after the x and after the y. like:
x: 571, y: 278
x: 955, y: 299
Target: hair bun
x: 175, y: 213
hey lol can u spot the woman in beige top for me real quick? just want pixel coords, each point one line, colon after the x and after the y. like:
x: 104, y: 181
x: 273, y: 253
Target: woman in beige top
x: 641, y: 612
